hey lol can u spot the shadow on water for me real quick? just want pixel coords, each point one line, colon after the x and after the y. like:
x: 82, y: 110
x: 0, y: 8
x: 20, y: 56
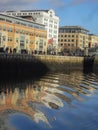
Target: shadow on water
x: 21, y: 69
x: 88, y: 64
x: 42, y: 100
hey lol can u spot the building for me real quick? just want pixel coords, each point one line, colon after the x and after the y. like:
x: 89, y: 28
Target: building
x: 93, y: 41
x: 18, y: 33
x: 73, y: 38
x: 93, y: 44
x: 46, y: 17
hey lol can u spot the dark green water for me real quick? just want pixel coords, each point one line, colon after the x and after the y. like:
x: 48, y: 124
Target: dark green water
x: 55, y: 101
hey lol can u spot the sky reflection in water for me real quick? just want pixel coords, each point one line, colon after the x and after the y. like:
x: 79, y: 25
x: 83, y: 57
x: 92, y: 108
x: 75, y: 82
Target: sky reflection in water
x: 55, y: 101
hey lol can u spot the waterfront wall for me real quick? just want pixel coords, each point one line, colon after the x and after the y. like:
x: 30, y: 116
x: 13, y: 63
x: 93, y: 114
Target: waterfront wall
x: 95, y: 67
x: 61, y: 62
x: 32, y: 64
x: 20, y: 65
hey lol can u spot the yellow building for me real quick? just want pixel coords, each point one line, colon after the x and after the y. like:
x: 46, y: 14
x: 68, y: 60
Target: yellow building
x: 93, y: 41
x: 73, y: 38
x: 17, y: 34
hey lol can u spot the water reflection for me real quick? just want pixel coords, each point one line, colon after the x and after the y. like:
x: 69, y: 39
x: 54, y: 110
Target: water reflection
x: 39, y: 98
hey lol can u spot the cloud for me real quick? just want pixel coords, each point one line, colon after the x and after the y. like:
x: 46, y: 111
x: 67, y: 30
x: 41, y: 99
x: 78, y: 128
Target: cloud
x: 66, y: 3
x: 11, y: 4
x: 16, y: 1
x: 79, y: 2
x: 57, y: 3
x: 27, y: 4
x: 92, y: 14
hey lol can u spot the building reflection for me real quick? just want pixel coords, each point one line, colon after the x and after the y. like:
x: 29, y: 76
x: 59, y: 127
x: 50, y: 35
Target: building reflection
x: 26, y: 100
x: 51, y: 91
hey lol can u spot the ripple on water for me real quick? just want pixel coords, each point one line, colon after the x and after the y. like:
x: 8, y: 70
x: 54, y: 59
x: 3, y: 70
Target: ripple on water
x: 56, y: 101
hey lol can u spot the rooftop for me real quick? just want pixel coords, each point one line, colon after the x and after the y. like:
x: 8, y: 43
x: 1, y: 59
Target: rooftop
x: 29, y: 11
x: 74, y: 27
x: 22, y: 19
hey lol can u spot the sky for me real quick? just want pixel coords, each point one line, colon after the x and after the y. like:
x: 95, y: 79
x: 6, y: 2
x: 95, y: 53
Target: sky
x: 82, y: 13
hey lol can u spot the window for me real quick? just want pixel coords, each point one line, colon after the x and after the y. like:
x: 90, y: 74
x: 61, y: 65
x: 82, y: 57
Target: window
x: 45, y: 19
x: 55, y: 36
x: 17, y: 30
x: 7, y: 20
x: 73, y: 31
x: 37, y: 35
x: 55, y: 22
x: 4, y: 38
x: 55, y: 26
x: 61, y: 31
x: 68, y: 40
x: 31, y: 42
x: 50, y: 36
x: 0, y: 27
x: 51, y: 21
x: 10, y: 39
x: 4, y: 28
x: 17, y: 40
x: 31, y: 34
x: 21, y: 31
x: 2, y: 19
x: 50, y: 25
x: 10, y: 29
x: 44, y: 43
x: 50, y: 30
x: 26, y: 40
x: 72, y: 40
x: 61, y: 40
x: 36, y: 42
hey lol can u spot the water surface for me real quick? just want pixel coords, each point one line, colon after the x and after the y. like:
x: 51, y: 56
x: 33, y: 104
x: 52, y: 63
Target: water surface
x: 55, y: 101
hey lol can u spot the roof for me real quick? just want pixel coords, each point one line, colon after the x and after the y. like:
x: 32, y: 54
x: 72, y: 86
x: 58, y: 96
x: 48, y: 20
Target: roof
x: 29, y: 11
x: 92, y: 34
x: 19, y: 18
x: 74, y: 27
x: 27, y: 17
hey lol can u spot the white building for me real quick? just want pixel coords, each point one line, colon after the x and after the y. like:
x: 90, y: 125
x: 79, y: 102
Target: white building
x: 46, y: 17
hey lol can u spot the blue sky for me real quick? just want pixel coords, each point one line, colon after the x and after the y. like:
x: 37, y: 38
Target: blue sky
x: 71, y: 12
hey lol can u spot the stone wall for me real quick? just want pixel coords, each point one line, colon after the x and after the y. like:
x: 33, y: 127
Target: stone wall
x: 61, y: 62
x: 38, y: 63
x: 95, y: 63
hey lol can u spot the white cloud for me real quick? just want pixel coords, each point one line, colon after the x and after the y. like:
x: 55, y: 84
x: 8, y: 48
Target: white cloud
x: 17, y: 1
x: 16, y: 4
x: 57, y: 3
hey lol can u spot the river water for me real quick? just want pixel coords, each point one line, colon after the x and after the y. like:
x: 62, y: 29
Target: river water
x: 55, y: 101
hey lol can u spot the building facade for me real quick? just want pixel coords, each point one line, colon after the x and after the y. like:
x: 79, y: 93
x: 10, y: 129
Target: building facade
x: 73, y: 38
x: 93, y: 41
x: 46, y: 17
x: 17, y: 33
